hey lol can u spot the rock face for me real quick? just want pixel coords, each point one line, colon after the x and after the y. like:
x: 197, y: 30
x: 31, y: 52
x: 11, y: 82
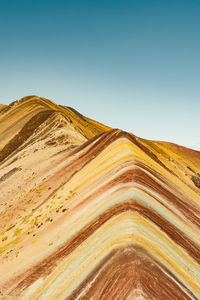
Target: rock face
x: 91, y: 212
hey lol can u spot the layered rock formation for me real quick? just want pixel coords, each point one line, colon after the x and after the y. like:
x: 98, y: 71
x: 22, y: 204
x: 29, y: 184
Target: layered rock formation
x: 91, y: 212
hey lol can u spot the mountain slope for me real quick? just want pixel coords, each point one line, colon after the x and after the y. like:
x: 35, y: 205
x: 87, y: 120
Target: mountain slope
x: 2, y: 106
x: 21, y: 118
x: 89, y: 212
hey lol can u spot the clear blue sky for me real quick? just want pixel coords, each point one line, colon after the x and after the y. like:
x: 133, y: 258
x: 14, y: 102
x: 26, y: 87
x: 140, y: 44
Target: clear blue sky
x: 134, y: 65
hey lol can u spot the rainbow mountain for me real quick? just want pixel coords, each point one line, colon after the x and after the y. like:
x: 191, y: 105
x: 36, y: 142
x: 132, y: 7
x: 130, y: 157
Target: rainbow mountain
x: 92, y: 212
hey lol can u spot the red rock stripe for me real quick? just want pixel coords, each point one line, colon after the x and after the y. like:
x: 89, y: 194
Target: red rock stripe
x: 126, y: 270
x: 47, y: 265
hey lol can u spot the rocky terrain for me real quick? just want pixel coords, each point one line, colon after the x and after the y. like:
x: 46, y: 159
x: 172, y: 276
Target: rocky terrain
x: 92, y: 212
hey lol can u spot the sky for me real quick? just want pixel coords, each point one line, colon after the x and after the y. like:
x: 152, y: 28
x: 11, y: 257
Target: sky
x: 130, y: 64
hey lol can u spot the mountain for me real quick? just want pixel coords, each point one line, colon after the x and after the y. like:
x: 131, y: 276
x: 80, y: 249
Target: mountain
x: 92, y: 212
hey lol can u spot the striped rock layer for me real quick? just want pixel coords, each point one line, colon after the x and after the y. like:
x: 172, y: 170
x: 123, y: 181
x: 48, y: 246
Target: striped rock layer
x: 91, y: 212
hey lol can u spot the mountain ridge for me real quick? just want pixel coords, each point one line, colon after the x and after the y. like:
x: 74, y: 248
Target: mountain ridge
x: 46, y: 101
x: 88, y: 211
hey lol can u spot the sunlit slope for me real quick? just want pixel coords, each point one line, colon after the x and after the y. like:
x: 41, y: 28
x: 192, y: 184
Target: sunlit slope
x: 88, y: 126
x: 183, y: 162
x: 20, y: 119
x: 2, y: 106
x: 109, y: 219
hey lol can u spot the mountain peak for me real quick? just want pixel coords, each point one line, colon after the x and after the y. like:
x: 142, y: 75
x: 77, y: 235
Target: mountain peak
x: 91, y: 212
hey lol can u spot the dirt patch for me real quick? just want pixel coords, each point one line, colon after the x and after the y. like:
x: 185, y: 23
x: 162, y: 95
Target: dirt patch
x: 196, y: 181
x: 10, y: 173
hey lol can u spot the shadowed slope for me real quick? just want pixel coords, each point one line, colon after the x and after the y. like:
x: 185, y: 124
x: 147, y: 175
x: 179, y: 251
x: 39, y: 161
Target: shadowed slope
x: 20, y: 119
x: 112, y: 217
